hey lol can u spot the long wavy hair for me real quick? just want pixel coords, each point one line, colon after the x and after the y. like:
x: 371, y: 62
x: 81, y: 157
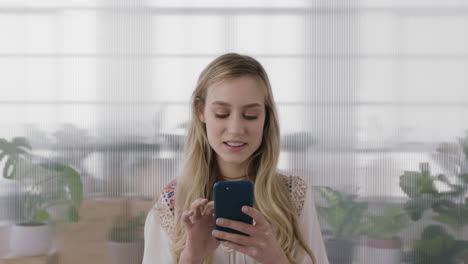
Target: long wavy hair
x: 200, y: 170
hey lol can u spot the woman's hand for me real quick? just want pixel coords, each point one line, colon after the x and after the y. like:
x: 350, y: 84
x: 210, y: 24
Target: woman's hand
x: 261, y: 243
x: 198, y: 223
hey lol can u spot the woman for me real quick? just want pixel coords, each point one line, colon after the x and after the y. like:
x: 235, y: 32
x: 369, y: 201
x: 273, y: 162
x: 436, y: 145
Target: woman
x: 233, y: 135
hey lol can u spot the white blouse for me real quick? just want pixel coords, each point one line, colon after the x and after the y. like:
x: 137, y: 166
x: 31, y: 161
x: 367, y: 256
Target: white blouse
x: 159, y: 224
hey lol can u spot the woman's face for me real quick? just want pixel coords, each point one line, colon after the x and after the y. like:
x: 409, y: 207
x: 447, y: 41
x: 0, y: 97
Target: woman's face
x: 234, y: 115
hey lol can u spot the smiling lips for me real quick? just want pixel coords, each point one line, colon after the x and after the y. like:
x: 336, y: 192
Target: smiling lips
x: 235, y: 145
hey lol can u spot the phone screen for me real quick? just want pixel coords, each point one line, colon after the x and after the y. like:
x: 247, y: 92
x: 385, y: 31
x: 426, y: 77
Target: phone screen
x: 229, y: 197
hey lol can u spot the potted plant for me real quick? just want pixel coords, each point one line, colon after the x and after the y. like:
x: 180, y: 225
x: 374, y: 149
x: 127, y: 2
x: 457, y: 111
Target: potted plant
x: 126, y: 244
x: 43, y: 184
x: 343, y: 217
x: 382, y: 242
x: 445, y: 195
x: 436, y: 246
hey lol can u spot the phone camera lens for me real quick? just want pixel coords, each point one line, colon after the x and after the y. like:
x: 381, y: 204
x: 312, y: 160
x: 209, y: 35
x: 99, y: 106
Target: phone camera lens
x: 227, y: 188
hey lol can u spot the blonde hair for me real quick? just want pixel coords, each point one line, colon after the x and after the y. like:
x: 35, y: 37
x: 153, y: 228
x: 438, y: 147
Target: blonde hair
x: 200, y: 170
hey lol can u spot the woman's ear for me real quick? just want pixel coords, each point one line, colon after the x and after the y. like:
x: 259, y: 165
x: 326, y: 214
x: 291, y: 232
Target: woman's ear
x: 201, y: 116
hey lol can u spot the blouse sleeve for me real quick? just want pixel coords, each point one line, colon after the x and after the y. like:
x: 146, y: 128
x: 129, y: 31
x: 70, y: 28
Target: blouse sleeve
x: 157, y: 241
x: 311, y: 229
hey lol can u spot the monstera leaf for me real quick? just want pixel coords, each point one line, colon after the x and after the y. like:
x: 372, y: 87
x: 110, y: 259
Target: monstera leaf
x: 12, y: 152
x: 69, y: 182
x: 44, y: 183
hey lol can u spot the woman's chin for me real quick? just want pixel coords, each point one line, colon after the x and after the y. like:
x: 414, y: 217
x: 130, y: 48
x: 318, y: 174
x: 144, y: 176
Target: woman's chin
x: 234, y: 161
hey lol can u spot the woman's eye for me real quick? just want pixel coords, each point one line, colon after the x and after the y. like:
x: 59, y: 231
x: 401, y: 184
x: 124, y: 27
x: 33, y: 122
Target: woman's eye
x: 250, y: 117
x: 221, y: 115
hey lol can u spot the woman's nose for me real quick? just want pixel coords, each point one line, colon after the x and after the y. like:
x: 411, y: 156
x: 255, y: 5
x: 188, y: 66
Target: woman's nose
x: 236, y: 125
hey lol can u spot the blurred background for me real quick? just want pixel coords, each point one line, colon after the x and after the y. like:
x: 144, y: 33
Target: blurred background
x: 372, y: 98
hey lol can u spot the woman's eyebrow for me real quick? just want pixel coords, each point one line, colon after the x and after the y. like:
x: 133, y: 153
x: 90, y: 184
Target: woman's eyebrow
x: 220, y: 103
x: 252, y: 105
x: 245, y: 106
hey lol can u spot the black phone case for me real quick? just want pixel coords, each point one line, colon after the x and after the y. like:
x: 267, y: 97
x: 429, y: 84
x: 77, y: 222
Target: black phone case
x: 229, y: 197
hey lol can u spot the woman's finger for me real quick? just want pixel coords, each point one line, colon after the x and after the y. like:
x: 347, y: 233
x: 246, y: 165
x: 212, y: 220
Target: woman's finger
x: 186, y: 219
x: 236, y: 225
x: 197, y: 203
x: 197, y: 207
x: 209, y: 212
x: 256, y: 215
x: 236, y: 238
x: 209, y: 208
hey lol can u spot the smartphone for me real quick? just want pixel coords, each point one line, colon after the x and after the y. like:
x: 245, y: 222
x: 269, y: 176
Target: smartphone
x: 229, y: 197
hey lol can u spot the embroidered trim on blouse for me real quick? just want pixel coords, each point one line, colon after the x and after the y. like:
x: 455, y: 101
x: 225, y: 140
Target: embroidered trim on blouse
x: 165, y: 207
x: 168, y: 195
x: 298, y: 189
x: 165, y: 204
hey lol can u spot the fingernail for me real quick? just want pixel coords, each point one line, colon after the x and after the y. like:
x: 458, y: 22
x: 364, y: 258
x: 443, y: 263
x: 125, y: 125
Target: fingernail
x: 245, y: 208
x: 219, y: 221
x: 215, y: 233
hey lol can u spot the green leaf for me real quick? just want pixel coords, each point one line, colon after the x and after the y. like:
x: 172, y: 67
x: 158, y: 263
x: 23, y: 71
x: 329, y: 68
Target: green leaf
x: 408, y: 182
x: 463, y: 142
x: 3, y: 154
x: 387, y: 225
x: 343, y: 215
x: 433, y: 231
x: 450, y: 213
x: 416, y: 207
x: 464, y: 177
x: 9, y: 169
x: 448, y: 220
x: 12, y: 151
x: 437, y: 246
x: 41, y: 216
x: 328, y: 194
x: 21, y: 142
x: 73, y: 181
x: 426, y: 185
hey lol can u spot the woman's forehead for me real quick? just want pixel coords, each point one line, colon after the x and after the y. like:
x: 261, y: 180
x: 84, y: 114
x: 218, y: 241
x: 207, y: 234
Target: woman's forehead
x: 245, y: 90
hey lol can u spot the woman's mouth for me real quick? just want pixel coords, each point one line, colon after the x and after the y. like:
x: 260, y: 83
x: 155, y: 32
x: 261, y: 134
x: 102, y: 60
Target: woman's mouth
x: 235, y: 145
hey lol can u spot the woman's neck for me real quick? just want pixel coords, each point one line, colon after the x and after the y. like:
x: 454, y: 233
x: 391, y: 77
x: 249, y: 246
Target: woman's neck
x: 240, y: 178
x: 231, y: 172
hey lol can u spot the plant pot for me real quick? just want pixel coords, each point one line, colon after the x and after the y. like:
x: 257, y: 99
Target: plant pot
x: 30, y: 240
x: 387, y: 251
x: 4, y: 239
x: 339, y: 251
x: 126, y: 252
